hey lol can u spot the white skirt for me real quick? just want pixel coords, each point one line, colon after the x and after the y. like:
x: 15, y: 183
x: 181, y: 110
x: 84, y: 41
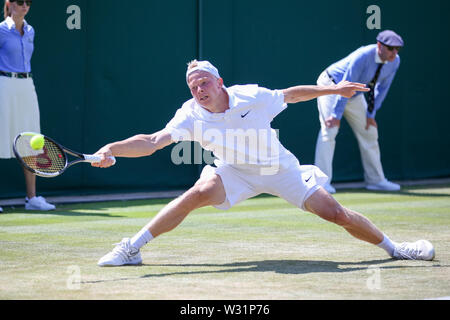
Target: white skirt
x: 19, y: 112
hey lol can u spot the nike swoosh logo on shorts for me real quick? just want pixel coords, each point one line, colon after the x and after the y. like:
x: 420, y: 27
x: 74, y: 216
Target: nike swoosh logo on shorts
x: 244, y: 115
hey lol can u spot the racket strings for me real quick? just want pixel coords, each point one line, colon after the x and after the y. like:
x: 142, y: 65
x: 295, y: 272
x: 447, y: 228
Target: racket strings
x: 49, y: 159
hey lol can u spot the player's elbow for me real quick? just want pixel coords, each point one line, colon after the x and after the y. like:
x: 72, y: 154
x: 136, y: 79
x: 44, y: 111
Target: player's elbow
x: 289, y: 97
x: 159, y: 140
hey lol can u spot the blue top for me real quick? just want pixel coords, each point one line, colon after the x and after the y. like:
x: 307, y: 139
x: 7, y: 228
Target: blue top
x: 361, y: 66
x: 15, y: 50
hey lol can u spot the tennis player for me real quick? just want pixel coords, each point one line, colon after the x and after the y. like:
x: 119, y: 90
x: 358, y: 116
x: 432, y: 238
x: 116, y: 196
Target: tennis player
x: 218, y: 118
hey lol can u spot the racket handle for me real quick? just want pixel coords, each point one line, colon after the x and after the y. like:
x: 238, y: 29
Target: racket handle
x: 93, y: 158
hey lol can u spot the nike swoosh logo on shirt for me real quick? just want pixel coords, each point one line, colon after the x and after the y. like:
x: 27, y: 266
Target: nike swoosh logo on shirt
x: 308, y: 179
x: 244, y: 115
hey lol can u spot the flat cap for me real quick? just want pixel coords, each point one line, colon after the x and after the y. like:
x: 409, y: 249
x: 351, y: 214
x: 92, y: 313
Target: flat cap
x: 390, y: 38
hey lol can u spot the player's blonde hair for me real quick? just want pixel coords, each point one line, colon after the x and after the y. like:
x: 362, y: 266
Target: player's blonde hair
x: 192, y: 64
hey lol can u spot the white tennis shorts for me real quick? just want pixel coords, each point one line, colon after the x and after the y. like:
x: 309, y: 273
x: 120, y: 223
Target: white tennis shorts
x: 19, y: 112
x: 294, y: 184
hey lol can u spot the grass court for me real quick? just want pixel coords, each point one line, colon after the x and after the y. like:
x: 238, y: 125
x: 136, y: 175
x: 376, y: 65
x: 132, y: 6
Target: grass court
x: 263, y: 248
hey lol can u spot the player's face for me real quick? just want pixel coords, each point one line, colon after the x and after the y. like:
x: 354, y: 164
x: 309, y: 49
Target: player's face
x: 387, y: 53
x: 20, y: 8
x: 205, y: 88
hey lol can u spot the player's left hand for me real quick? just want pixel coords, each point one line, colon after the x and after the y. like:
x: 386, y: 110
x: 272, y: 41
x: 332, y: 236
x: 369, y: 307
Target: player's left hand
x: 371, y: 122
x: 348, y: 89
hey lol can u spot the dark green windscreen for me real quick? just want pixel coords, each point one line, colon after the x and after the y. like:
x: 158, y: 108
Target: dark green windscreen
x: 123, y: 73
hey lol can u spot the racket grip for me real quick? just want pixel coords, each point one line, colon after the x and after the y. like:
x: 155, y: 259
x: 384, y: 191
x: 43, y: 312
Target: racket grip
x: 93, y: 158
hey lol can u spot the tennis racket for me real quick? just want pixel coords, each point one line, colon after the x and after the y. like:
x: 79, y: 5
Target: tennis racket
x: 50, y: 161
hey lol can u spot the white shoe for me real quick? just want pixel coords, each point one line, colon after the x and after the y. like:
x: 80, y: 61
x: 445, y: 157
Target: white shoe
x: 384, y: 185
x: 1, y: 209
x: 38, y: 203
x: 419, y: 250
x: 329, y: 188
x: 122, y: 254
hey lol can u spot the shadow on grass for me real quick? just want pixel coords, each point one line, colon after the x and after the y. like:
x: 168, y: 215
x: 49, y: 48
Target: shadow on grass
x: 283, y: 266
x: 277, y: 266
x: 402, y: 192
x: 67, y: 213
x: 76, y: 209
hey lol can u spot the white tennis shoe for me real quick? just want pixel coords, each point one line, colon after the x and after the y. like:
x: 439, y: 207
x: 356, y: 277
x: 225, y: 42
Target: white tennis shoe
x: 1, y: 209
x: 419, y: 250
x: 384, y: 185
x: 38, y: 203
x: 123, y: 254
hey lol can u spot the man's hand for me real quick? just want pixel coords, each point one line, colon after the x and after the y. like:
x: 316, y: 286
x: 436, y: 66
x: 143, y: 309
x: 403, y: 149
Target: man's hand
x: 105, y: 153
x: 332, y: 122
x: 348, y: 89
x: 371, y: 122
x: 305, y: 93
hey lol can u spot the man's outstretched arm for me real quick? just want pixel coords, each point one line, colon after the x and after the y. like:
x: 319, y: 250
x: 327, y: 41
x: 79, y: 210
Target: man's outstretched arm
x: 140, y: 145
x: 305, y: 93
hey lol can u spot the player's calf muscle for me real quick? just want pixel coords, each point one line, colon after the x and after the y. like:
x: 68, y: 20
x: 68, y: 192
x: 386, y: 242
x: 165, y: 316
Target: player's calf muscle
x: 326, y: 207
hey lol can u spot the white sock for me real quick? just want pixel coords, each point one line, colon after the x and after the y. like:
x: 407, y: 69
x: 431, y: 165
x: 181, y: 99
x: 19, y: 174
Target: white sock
x: 141, y: 238
x: 388, y: 245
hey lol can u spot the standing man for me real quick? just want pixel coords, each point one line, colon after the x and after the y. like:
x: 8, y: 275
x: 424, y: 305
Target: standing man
x: 374, y: 65
x: 216, y: 117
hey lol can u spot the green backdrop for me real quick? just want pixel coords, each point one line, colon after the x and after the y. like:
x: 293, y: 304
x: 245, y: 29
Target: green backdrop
x: 123, y: 72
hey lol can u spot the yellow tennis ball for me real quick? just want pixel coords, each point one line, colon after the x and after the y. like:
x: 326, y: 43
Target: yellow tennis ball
x: 37, y: 142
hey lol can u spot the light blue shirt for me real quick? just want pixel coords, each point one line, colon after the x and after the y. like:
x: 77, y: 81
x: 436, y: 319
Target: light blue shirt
x: 361, y: 66
x: 15, y: 50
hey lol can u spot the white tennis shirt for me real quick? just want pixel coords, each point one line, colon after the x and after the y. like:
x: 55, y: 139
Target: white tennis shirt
x: 242, y: 135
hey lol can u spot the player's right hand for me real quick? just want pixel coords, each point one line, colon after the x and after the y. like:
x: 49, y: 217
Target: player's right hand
x: 105, y: 153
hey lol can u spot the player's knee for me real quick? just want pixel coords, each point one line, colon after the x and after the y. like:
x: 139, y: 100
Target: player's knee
x: 205, y: 194
x: 341, y: 216
x: 208, y: 192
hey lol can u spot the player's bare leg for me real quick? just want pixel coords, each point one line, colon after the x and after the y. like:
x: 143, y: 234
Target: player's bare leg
x: 325, y: 206
x: 207, y: 191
